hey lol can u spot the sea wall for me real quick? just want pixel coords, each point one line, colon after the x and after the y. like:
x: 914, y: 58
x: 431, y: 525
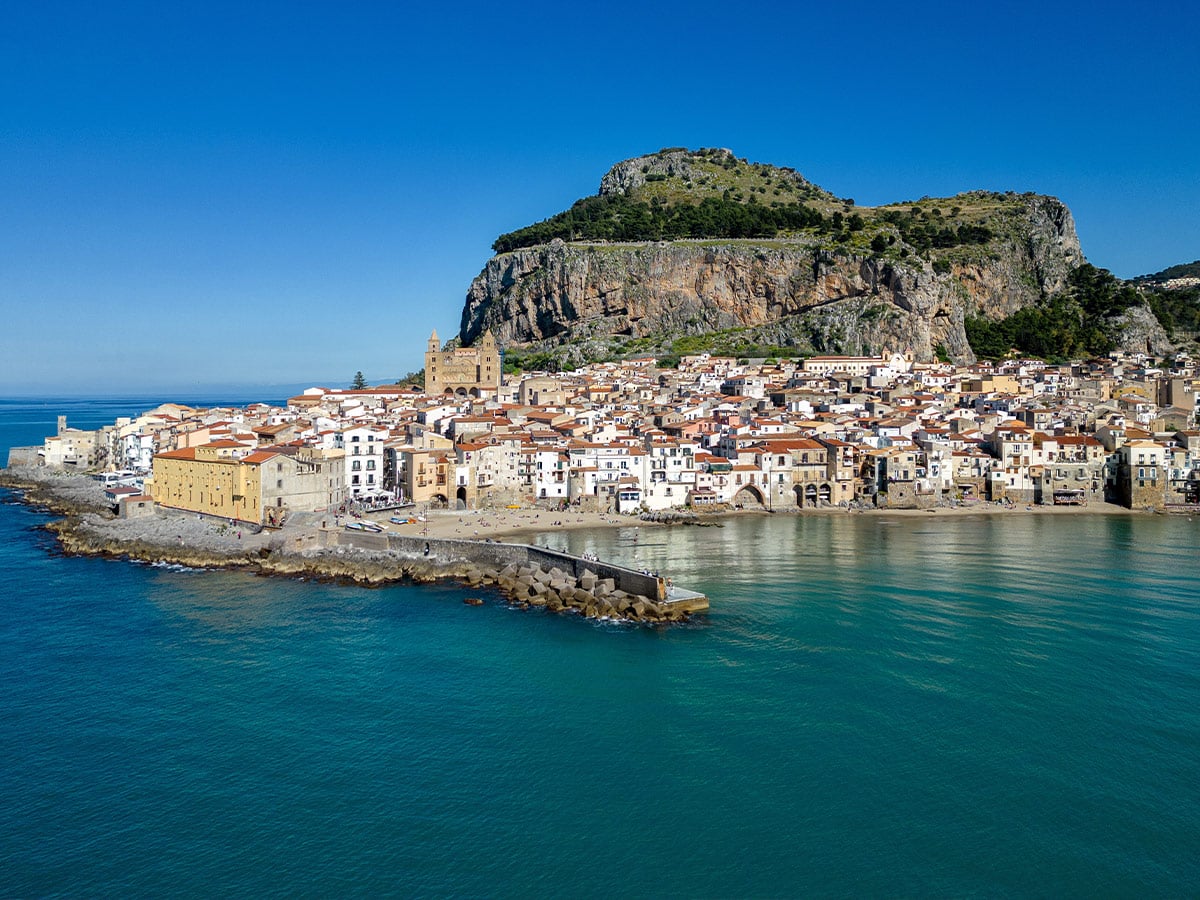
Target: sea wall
x: 495, y: 555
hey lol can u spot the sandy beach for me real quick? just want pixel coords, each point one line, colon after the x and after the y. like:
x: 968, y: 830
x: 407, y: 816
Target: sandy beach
x: 509, y: 524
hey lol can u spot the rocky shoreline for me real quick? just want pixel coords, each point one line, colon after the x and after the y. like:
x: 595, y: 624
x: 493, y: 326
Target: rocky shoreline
x: 88, y: 528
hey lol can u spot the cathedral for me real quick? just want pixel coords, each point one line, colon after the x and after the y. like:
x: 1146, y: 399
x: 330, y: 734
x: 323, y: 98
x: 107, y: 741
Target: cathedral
x: 471, y: 370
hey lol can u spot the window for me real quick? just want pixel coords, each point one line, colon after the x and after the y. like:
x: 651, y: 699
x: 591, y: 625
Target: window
x: 355, y: 466
x: 279, y: 484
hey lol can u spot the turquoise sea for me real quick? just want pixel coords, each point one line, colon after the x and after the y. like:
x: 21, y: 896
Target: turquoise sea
x: 1003, y: 706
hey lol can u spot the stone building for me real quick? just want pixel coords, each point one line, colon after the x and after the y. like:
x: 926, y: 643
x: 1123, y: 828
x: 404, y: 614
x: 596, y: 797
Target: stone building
x: 1141, y: 481
x: 467, y: 370
x: 262, y: 487
x: 73, y: 448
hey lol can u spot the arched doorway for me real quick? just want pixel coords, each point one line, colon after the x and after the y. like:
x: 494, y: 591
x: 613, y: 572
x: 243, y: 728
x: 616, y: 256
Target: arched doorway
x: 748, y: 496
x: 460, y: 497
x: 810, y: 496
x: 825, y: 495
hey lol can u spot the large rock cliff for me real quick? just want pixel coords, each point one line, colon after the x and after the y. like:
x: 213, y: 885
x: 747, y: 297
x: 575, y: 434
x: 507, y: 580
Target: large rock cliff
x: 817, y: 290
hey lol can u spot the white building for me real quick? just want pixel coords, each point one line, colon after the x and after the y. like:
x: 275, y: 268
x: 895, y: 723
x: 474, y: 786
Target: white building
x: 363, y: 446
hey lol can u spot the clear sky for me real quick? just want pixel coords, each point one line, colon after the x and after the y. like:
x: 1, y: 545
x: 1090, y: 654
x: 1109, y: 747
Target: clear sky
x: 254, y: 193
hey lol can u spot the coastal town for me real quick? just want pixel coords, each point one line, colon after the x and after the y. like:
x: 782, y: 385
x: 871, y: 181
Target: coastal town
x: 631, y: 437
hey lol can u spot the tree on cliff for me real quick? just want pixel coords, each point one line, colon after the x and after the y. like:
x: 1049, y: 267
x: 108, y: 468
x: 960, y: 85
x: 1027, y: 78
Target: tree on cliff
x: 1078, y: 322
x: 359, y: 382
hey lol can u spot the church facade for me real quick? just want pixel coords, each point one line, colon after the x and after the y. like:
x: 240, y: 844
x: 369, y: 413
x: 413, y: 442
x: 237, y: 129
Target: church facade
x: 471, y: 370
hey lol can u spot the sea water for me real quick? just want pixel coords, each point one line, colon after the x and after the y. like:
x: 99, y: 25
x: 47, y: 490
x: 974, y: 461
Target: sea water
x: 1003, y: 705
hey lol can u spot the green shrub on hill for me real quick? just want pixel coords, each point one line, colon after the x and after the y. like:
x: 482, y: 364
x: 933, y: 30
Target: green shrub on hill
x: 619, y: 218
x: 1076, y: 323
x: 934, y: 235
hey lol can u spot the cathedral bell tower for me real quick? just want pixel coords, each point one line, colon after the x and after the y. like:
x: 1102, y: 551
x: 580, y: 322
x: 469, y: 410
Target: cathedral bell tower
x: 465, y: 370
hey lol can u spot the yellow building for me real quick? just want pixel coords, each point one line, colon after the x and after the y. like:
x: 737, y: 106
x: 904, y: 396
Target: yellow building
x: 468, y: 370
x: 200, y: 479
x: 991, y: 384
x: 262, y: 487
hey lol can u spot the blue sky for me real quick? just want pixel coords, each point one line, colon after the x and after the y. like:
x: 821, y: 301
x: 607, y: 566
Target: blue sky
x: 284, y: 193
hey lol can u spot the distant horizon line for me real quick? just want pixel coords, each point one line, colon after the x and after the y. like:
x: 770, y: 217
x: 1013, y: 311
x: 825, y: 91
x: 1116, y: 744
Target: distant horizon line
x: 65, y: 393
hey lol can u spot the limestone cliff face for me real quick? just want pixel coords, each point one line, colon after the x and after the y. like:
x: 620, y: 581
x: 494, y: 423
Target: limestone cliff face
x: 793, y: 292
x: 1140, y: 332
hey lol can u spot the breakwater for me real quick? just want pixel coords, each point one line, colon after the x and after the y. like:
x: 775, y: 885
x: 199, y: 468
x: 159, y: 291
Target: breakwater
x: 537, y: 576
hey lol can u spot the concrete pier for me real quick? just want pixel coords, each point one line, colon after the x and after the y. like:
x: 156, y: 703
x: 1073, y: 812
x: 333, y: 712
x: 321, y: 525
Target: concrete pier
x: 688, y: 601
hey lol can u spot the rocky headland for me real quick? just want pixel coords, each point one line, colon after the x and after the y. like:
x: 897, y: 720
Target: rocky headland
x: 88, y: 528
x: 690, y: 244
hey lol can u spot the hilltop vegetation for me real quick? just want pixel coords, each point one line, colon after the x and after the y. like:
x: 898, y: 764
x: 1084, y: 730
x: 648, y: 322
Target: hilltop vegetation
x: 618, y: 218
x: 681, y: 194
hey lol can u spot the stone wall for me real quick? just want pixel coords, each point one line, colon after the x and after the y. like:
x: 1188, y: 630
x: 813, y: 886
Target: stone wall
x: 23, y: 456
x: 498, y: 555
